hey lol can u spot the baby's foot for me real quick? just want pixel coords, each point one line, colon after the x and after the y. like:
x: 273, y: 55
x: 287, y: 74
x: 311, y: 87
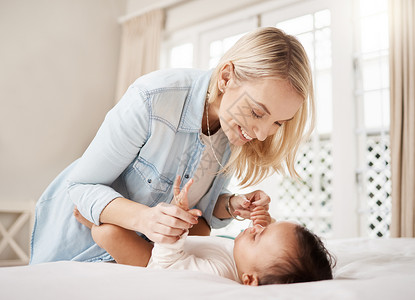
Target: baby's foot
x: 81, y: 219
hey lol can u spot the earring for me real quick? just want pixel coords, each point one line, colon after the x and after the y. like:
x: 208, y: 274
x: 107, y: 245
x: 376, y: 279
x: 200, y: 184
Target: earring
x: 222, y: 86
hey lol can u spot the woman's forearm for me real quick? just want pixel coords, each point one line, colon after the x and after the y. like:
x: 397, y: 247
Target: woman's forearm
x: 163, y: 223
x: 124, y: 213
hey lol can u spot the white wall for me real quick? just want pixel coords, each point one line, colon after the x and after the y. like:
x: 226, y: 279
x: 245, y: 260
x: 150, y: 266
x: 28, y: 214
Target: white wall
x: 184, y: 13
x: 58, y: 69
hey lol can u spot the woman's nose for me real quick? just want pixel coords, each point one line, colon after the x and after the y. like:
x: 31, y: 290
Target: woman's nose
x: 261, y: 132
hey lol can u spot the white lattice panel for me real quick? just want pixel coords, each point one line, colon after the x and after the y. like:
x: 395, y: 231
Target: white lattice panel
x: 16, y: 219
x: 378, y: 186
x: 309, y: 201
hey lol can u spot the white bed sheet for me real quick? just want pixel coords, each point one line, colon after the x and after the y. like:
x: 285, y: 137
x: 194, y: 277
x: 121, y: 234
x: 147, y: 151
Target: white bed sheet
x: 367, y: 269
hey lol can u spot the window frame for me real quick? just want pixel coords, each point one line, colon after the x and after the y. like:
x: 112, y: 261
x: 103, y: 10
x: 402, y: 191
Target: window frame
x: 345, y: 191
x: 348, y: 204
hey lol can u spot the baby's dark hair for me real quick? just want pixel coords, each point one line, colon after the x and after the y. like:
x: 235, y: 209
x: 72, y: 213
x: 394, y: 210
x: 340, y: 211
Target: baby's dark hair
x: 311, y: 262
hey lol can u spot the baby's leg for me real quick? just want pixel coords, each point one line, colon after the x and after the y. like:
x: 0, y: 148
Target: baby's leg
x: 80, y: 218
x: 124, y: 245
x: 201, y: 228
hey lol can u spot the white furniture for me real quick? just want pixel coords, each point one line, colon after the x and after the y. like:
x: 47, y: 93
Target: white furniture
x: 16, y: 222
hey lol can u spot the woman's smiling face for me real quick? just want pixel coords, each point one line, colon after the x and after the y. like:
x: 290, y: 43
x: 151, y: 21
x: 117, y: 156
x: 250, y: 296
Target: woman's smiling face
x: 255, y: 109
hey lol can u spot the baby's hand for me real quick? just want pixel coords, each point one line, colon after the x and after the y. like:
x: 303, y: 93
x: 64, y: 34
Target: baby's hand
x: 260, y: 216
x: 180, y: 196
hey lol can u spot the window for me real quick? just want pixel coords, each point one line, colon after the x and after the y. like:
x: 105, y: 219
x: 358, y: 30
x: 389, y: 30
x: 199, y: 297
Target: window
x: 310, y: 201
x: 181, y: 56
x: 345, y: 166
x: 372, y: 97
x: 219, y: 47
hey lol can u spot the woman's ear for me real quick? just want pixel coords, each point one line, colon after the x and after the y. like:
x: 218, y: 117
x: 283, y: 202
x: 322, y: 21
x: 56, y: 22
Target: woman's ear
x: 250, y: 279
x: 225, y: 75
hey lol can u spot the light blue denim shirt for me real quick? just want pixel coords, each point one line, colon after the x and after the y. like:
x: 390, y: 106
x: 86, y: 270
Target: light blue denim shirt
x: 149, y: 137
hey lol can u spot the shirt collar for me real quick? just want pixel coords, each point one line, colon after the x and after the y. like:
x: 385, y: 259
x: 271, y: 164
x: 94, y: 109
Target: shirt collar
x: 191, y: 120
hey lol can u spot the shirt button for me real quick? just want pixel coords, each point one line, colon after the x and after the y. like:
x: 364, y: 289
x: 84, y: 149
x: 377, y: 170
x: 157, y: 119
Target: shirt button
x: 186, y: 176
x: 149, y: 180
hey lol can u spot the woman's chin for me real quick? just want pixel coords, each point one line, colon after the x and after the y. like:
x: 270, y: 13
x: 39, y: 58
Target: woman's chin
x: 234, y: 136
x: 237, y: 143
x: 236, y: 140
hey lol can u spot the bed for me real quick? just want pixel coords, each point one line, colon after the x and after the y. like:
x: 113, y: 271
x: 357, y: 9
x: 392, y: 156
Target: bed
x: 366, y: 269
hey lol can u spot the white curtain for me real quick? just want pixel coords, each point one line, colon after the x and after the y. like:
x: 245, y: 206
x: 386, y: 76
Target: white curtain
x: 402, y: 131
x: 140, y: 48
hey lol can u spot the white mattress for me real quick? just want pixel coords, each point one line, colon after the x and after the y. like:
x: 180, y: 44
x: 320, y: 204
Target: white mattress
x: 367, y: 269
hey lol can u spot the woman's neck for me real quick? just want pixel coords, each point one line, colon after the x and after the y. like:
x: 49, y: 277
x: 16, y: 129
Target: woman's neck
x: 213, y: 116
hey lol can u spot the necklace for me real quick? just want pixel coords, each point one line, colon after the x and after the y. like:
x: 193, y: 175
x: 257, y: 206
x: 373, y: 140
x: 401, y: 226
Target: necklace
x: 208, y: 131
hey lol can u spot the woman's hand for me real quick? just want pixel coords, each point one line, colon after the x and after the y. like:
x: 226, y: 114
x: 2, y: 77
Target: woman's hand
x: 165, y: 223
x: 244, y: 205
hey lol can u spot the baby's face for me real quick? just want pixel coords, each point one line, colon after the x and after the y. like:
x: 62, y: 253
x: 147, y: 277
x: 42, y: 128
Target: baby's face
x: 256, y: 246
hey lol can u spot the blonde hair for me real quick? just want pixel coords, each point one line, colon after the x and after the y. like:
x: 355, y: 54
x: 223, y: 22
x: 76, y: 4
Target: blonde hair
x: 269, y: 53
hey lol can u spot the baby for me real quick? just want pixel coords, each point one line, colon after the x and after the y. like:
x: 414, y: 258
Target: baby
x: 267, y: 253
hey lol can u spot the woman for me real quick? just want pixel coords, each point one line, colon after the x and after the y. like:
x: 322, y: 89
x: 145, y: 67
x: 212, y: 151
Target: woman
x: 247, y: 117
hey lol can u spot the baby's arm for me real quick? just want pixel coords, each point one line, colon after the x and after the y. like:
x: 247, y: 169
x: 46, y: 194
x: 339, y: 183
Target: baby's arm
x: 173, y: 256
x: 260, y: 216
x: 180, y: 197
x: 165, y: 255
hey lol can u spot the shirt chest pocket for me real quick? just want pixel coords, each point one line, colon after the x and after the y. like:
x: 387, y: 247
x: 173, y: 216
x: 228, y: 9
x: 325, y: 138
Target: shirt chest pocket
x: 145, y: 184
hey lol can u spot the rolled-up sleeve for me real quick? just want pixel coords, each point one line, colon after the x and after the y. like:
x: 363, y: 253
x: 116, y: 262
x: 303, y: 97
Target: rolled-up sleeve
x: 117, y: 142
